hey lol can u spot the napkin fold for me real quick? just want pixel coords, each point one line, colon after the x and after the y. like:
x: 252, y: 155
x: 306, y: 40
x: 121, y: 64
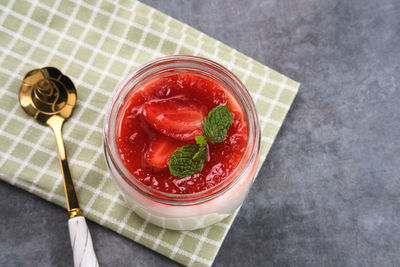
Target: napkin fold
x: 97, y: 43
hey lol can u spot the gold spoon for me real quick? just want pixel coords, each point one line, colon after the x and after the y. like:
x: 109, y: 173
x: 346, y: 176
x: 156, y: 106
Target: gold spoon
x: 49, y: 96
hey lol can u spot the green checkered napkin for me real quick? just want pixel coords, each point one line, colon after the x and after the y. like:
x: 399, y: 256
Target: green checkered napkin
x: 97, y: 43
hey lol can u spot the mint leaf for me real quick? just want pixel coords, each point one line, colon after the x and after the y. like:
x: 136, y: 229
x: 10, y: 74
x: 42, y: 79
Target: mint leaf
x: 201, y: 140
x: 187, y: 160
x: 217, y: 124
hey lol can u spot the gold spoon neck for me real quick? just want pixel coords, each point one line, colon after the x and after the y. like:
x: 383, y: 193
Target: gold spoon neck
x: 56, y: 123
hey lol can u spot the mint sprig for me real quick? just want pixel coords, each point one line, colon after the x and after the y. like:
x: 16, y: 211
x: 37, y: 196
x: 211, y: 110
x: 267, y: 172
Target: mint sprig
x: 190, y: 159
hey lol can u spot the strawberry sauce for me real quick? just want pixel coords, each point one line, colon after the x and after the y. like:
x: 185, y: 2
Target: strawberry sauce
x: 168, y: 113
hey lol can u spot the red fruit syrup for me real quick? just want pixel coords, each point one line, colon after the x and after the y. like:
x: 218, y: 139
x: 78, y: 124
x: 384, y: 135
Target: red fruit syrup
x: 168, y: 113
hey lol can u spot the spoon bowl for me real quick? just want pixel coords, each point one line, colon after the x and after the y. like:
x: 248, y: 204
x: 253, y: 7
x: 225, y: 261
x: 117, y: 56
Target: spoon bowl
x: 46, y: 93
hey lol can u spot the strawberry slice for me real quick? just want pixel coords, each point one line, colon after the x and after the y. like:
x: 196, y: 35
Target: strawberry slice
x: 160, y: 150
x: 176, y: 117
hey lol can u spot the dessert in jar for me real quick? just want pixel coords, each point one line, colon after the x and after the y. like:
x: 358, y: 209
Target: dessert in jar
x: 182, y: 141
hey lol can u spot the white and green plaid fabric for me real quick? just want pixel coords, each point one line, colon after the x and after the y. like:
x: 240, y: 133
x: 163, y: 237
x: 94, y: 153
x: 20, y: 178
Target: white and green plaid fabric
x: 97, y: 43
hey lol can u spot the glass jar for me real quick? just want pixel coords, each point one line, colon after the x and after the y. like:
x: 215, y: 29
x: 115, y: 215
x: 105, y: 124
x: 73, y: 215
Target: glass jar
x: 183, y: 211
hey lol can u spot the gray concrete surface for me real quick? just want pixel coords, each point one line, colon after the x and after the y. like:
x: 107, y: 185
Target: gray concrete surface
x: 329, y: 191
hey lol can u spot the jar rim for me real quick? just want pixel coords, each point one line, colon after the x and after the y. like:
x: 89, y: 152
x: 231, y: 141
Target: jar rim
x: 252, y: 150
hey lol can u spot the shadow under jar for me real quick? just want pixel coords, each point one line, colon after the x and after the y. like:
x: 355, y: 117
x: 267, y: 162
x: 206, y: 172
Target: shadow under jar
x: 177, y: 208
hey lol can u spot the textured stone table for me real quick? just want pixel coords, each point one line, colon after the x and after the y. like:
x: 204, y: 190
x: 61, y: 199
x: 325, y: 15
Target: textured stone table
x: 329, y: 192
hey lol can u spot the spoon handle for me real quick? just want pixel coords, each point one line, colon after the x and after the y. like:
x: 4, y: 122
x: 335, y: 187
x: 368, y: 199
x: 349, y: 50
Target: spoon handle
x: 81, y: 242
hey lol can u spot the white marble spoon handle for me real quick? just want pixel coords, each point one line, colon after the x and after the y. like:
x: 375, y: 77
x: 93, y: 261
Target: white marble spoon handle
x: 81, y: 242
